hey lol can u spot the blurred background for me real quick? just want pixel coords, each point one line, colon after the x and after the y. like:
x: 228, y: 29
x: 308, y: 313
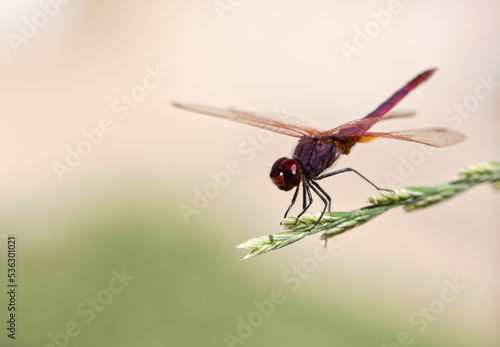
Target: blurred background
x: 101, y: 177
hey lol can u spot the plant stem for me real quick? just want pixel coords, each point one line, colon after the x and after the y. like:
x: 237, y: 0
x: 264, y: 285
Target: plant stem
x: 412, y: 198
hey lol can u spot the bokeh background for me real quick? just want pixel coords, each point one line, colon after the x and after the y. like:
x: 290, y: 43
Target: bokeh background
x: 118, y: 209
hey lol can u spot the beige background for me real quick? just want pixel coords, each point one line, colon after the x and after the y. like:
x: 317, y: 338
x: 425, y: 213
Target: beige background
x: 120, y: 206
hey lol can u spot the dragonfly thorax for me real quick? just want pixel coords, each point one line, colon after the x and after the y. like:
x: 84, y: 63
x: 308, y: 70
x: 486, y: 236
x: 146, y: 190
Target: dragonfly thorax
x: 286, y: 173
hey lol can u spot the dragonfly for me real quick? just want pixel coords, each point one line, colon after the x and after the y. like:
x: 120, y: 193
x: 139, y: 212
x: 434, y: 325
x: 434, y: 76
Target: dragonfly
x: 318, y: 150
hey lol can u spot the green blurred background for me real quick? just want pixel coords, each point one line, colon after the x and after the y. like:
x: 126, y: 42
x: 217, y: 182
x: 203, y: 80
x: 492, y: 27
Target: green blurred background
x: 118, y: 211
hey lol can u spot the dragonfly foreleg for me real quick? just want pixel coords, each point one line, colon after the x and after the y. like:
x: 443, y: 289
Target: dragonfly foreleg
x: 306, y: 204
x: 293, y: 201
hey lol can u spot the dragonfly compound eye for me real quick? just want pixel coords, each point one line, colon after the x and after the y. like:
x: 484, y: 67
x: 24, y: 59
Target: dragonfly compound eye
x: 285, y: 173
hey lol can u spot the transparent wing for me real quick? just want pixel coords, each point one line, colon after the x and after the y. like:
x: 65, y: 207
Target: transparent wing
x: 398, y: 114
x: 436, y: 137
x: 282, y: 126
x: 360, y: 126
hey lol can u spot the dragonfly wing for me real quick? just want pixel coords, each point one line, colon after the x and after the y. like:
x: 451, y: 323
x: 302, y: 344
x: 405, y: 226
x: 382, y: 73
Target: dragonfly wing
x: 355, y: 127
x: 360, y: 126
x: 283, y: 126
x: 400, y: 114
x: 436, y: 137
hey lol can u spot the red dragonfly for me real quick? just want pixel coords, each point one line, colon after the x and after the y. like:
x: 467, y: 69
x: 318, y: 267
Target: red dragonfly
x: 318, y: 150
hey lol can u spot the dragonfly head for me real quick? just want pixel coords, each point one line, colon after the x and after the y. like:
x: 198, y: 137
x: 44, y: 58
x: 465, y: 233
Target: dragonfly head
x: 286, y: 173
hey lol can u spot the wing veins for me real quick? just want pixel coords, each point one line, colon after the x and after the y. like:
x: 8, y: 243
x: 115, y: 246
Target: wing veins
x: 436, y: 137
x: 251, y: 118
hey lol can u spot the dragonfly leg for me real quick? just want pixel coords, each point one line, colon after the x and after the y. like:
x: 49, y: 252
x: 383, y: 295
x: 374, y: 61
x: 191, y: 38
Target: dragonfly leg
x: 352, y: 170
x: 304, y: 197
x: 293, y: 201
x: 314, y: 185
x: 305, y: 204
x: 325, y: 194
